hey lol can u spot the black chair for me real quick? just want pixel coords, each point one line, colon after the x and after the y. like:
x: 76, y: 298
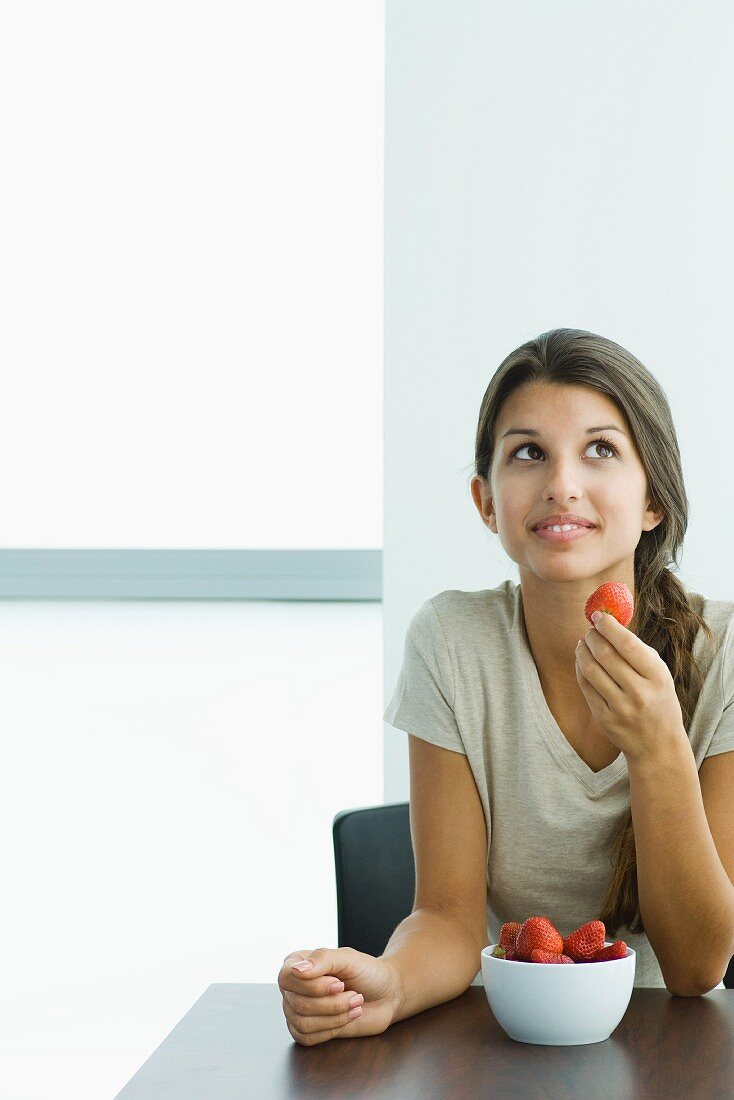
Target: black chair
x: 375, y: 874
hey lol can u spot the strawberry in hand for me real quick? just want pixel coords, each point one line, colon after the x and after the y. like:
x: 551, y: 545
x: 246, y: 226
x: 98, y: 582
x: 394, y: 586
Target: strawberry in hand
x: 615, y: 599
x: 627, y: 685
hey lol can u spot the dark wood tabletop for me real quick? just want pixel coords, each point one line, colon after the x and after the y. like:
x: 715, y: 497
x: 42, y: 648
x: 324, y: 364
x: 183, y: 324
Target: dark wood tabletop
x: 234, y: 1043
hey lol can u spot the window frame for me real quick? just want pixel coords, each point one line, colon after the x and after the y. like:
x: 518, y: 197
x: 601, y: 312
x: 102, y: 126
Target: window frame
x: 343, y: 575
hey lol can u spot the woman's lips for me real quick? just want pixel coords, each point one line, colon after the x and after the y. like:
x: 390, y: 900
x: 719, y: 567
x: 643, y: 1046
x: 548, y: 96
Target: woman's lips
x: 547, y: 535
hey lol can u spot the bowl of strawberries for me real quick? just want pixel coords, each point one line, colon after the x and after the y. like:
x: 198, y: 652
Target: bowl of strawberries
x: 557, y: 990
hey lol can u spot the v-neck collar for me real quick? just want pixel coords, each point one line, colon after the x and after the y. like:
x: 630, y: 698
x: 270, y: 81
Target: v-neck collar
x: 596, y: 783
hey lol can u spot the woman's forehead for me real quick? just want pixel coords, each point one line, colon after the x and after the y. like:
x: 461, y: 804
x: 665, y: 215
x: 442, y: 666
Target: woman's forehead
x: 544, y: 402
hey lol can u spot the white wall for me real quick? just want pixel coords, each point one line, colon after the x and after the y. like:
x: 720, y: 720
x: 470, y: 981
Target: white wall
x: 170, y: 773
x: 190, y: 272
x: 547, y: 165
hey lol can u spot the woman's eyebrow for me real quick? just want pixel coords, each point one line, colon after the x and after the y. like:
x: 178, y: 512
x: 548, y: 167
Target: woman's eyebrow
x: 531, y: 431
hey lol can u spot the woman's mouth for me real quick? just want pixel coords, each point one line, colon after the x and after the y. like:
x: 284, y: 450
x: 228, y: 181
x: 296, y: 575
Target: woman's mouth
x: 567, y: 532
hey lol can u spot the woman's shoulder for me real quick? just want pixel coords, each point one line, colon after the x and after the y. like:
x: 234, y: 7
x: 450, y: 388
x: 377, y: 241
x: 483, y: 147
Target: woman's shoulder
x: 717, y: 613
x: 479, y: 609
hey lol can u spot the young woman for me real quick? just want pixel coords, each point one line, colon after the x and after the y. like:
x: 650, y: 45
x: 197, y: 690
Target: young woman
x: 556, y: 768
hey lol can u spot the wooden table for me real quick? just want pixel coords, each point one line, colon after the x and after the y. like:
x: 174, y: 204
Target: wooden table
x: 234, y: 1044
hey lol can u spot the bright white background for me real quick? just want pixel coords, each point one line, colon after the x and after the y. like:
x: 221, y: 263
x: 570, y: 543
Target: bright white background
x: 191, y: 278
x: 170, y: 774
x: 191, y: 274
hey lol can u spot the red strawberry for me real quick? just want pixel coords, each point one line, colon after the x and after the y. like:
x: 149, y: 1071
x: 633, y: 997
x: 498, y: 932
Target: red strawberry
x: 537, y: 956
x: 540, y: 933
x: 508, y: 935
x: 615, y: 598
x: 583, y: 943
x: 617, y: 950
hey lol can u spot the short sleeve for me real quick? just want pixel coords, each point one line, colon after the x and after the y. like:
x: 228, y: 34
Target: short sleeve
x: 723, y: 738
x: 423, y: 700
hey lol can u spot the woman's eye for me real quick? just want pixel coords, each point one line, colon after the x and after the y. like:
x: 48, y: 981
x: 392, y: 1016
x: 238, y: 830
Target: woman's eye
x: 517, y: 450
x: 605, y: 446
x: 595, y: 443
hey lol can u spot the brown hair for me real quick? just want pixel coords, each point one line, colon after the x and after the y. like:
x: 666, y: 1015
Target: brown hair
x: 664, y: 617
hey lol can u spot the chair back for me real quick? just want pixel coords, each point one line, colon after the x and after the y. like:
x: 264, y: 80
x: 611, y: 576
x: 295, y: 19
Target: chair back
x: 375, y: 874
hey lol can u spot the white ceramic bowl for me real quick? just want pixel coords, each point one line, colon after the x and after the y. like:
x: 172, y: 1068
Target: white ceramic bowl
x: 558, y: 1004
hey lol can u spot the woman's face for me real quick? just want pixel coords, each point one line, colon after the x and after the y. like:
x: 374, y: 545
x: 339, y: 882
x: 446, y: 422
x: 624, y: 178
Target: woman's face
x: 558, y: 467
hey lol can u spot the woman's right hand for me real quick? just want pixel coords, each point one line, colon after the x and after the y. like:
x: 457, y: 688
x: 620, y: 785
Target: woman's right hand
x: 314, y: 1014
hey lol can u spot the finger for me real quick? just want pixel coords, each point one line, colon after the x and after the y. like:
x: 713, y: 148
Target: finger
x: 642, y: 657
x: 319, y: 977
x: 313, y: 1026
x: 597, y: 676
x: 333, y: 1005
x: 597, y: 703
x: 342, y: 963
x: 604, y: 653
x: 320, y: 986
x: 351, y: 1030
x: 294, y: 957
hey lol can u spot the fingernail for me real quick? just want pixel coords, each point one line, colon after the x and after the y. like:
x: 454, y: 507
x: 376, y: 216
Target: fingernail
x: 305, y: 964
x: 337, y: 987
x: 355, y: 1012
x: 595, y: 616
x: 357, y: 999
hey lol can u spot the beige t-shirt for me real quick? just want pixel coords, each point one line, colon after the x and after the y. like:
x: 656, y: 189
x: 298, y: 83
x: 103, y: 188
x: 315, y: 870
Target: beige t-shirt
x: 469, y: 684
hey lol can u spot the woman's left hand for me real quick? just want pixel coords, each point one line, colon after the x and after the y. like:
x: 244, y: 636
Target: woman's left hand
x: 629, y: 689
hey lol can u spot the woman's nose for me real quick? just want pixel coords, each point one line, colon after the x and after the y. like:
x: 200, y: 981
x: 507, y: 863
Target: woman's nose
x: 562, y: 480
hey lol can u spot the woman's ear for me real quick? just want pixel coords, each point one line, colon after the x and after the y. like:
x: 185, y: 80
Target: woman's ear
x: 482, y: 496
x: 652, y: 517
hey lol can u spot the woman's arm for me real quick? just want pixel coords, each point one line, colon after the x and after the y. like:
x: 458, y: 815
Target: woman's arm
x: 436, y: 951
x: 686, y: 897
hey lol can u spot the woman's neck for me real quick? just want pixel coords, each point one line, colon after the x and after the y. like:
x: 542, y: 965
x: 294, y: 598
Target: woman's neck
x: 554, y: 623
